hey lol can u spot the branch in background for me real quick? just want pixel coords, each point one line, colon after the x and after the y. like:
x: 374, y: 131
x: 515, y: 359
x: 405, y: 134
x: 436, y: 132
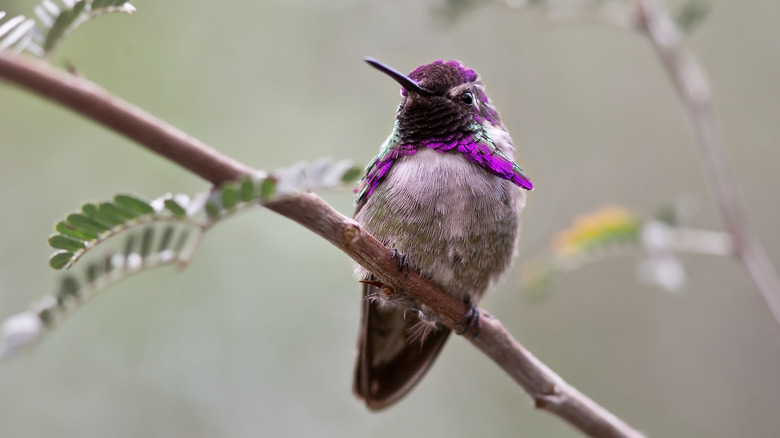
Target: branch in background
x: 612, y: 231
x: 691, y: 85
x: 547, y: 389
x: 651, y: 18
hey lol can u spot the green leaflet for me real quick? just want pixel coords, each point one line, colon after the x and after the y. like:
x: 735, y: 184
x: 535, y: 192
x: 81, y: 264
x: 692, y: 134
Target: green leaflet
x: 146, y: 242
x: 175, y: 208
x: 267, y: 188
x: 59, y: 241
x: 212, y: 210
x: 691, y: 13
x: 167, y: 238
x: 60, y: 259
x: 133, y: 205
x: 229, y: 195
x: 115, y: 212
x: 91, y: 211
x: 246, y: 191
x: 352, y: 174
x: 86, y: 224
x: 62, y: 25
x: 70, y: 230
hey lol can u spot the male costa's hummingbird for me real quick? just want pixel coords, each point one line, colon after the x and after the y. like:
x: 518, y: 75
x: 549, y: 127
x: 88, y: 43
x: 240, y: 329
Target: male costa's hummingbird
x: 444, y: 193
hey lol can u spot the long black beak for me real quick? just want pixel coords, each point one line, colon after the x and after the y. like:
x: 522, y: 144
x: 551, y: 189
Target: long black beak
x: 399, y: 77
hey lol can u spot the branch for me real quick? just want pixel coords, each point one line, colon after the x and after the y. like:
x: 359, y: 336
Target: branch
x: 92, y: 101
x: 691, y: 85
x: 547, y: 389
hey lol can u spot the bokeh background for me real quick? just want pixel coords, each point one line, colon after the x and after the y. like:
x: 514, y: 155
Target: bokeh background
x: 256, y: 337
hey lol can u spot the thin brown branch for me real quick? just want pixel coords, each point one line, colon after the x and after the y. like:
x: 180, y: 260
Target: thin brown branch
x: 547, y: 389
x: 92, y: 101
x: 691, y: 85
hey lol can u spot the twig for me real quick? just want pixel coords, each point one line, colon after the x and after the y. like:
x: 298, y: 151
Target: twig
x: 92, y: 101
x: 691, y: 85
x: 548, y: 390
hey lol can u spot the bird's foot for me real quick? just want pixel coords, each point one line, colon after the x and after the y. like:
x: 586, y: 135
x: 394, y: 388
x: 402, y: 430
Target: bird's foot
x: 372, y: 282
x: 470, y: 321
x: 402, y: 262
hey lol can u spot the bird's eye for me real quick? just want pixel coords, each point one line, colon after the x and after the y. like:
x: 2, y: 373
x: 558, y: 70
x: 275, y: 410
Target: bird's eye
x: 467, y: 98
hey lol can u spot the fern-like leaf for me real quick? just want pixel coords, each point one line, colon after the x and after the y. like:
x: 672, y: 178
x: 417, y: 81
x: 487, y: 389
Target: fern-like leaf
x: 160, y: 232
x: 79, y: 13
x: 18, y: 33
x: 53, y: 24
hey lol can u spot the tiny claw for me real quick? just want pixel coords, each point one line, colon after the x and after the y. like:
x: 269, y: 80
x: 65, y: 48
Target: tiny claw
x: 470, y: 321
x: 402, y: 262
x: 377, y: 284
x: 372, y: 281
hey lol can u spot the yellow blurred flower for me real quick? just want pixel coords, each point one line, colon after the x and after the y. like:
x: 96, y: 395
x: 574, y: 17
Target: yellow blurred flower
x: 606, y: 225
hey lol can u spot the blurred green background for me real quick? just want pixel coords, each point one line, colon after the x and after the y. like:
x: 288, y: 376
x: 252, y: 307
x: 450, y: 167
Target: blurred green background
x: 257, y: 336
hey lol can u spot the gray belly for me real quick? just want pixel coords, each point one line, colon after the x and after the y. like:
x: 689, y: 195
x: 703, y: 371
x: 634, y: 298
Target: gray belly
x: 455, y: 223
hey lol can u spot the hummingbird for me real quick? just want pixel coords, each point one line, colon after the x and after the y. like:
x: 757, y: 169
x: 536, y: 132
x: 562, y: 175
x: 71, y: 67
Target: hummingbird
x: 445, y: 194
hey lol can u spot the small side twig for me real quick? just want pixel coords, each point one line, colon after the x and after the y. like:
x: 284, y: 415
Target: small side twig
x: 691, y: 85
x: 548, y: 390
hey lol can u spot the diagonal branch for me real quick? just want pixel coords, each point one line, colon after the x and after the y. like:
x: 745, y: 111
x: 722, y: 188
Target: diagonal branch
x: 691, y: 85
x: 547, y: 389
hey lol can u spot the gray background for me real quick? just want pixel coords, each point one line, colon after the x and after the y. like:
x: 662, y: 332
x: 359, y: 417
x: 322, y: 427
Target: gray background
x: 256, y: 337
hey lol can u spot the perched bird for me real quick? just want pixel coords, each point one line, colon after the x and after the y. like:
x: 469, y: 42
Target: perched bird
x: 443, y: 193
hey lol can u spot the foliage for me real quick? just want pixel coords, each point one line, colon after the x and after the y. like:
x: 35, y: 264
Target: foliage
x: 613, y: 231
x: 54, y: 23
x: 164, y: 231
